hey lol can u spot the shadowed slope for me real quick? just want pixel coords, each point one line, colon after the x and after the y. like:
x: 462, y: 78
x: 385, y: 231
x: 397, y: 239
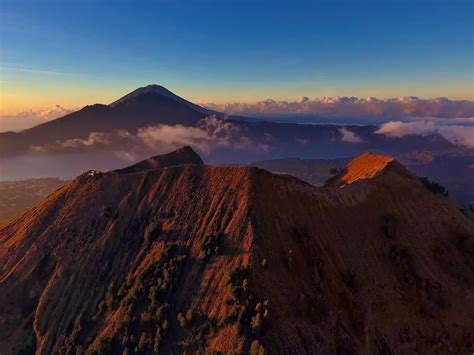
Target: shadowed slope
x: 184, y: 155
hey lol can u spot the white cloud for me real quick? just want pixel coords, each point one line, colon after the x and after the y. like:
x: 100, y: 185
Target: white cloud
x: 401, y: 129
x: 16, y: 68
x: 353, y: 107
x: 459, y: 135
x: 30, y: 118
x: 348, y: 136
x: 211, y: 132
x: 456, y: 134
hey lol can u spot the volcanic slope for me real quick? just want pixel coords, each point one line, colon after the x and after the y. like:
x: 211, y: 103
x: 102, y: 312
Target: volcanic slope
x: 193, y: 258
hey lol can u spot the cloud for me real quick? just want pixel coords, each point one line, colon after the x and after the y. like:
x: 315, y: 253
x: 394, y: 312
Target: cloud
x: 401, y: 129
x: 353, y: 107
x: 349, y: 136
x: 459, y: 135
x: 16, y: 68
x: 456, y: 134
x: 30, y: 118
x: 211, y: 132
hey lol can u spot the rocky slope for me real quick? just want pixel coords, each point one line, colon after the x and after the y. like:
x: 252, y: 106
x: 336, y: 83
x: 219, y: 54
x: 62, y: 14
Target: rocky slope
x: 184, y: 257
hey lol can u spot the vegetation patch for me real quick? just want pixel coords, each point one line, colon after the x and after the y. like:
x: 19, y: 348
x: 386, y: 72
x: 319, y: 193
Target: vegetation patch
x: 152, y: 232
x: 211, y: 245
x: 434, y: 187
x: 248, y: 314
x: 148, y: 303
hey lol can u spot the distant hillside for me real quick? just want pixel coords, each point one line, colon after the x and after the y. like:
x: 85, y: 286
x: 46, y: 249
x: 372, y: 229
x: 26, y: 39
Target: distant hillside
x: 18, y: 196
x: 452, y: 169
x: 190, y: 258
x: 314, y: 171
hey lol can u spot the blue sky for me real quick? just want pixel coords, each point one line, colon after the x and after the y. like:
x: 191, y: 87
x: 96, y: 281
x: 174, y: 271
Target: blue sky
x: 72, y: 52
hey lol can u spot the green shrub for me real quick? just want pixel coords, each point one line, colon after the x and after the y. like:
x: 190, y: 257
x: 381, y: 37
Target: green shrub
x: 101, y: 346
x: 146, y: 317
x: 257, y: 324
x: 152, y: 232
x: 434, y: 187
x: 210, y: 245
x: 256, y: 348
x: 236, y: 277
x: 142, y: 343
x: 181, y: 320
x: 105, y: 211
x: 189, y: 315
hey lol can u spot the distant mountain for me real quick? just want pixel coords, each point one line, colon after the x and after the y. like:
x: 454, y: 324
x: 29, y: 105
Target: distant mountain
x: 195, y: 258
x: 452, y: 169
x: 314, y: 171
x: 150, y: 105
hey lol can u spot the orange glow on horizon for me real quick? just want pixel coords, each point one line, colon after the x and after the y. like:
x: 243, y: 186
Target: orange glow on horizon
x: 19, y: 98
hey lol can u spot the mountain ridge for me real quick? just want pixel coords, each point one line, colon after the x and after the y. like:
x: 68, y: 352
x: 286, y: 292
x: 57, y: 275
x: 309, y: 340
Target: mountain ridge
x: 367, y: 166
x: 183, y: 155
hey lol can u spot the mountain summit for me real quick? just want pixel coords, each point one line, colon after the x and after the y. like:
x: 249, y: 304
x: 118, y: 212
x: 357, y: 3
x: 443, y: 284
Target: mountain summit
x: 161, y: 91
x: 182, y: 257
x: 184, y: 155
x: 157, y: 89
x: 367, y: 166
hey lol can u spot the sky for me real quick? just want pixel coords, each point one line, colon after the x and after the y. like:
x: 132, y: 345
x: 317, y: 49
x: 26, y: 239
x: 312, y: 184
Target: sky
x: 73, y: 53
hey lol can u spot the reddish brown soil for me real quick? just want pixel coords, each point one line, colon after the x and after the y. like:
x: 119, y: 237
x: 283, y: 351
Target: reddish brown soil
x: 381, y: 265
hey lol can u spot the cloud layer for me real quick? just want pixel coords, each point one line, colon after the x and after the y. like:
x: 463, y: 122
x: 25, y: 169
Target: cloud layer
x: 353, y: 107
x: 456, y: 134
x: 350, y: 109
x: 211, y: 132
x: 30, y: 118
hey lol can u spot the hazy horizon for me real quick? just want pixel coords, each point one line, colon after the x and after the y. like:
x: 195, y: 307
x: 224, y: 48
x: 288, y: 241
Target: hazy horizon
x: 328, y: 110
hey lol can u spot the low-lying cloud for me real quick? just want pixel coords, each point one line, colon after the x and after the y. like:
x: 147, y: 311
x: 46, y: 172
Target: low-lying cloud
x: 456, y: 134
x: 401, y: 129
x: 211, y: 132
x: 30, y: 118
x: 353, y: 107
x: 348, y: 136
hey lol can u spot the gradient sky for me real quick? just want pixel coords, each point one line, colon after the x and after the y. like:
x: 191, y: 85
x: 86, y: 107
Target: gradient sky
x: 79, y: 52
